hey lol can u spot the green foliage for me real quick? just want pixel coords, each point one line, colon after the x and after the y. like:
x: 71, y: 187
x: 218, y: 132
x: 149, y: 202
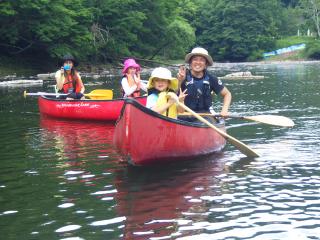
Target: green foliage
x: 96, y: 29
x: 233, y: 30
x: 293, y: 40
x: 52, y: 26
x: 108, y: 30
x: 290, y: 3
x: 312, y: 50
x: 255, y: 55
x: 311, y: 10
x: 180, y: 37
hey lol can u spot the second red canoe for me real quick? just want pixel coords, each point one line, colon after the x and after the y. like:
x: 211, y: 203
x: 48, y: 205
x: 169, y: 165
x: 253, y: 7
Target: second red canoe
x: 100, y: 110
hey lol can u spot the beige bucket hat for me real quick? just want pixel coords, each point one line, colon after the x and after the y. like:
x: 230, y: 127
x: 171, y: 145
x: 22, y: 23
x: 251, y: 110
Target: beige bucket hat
x: 199, y: 51
x: 165, y: 74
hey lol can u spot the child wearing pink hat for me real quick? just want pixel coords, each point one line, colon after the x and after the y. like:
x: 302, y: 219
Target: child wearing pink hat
x: 131, y: 82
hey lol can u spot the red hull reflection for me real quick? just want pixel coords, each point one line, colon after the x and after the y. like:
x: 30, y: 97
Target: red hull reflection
x: 78, y: 140
x: 157, y: 201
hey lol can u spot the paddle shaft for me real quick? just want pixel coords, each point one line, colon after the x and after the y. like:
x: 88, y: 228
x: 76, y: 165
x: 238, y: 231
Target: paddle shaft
x: 235, y: 142
x: 266, y: 119
x: 61, y: 94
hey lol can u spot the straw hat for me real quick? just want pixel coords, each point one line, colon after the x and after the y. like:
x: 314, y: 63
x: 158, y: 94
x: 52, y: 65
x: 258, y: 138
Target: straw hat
x: 199, y: 51
x: 130, y: 62
x: 165, y: 74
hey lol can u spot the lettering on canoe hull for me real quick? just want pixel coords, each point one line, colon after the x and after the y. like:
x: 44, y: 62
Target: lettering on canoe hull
x: 77, y: 105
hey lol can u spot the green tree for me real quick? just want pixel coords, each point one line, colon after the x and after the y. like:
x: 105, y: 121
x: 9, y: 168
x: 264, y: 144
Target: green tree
x: 95, y: 29
x: 234, y: 30
x: 290, y: 3
x: 142, y: 28
x: 311, y: 9
x: 44, y: 26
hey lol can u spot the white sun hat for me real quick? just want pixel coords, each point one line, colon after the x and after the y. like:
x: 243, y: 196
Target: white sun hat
x: 199, y: 51
x: 165, y: 74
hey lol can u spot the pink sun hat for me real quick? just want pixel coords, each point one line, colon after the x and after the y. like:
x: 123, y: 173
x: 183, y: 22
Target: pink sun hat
x: 130, y: 62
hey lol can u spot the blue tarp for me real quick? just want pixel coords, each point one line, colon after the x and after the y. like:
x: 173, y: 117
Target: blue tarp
x: 285, y: 50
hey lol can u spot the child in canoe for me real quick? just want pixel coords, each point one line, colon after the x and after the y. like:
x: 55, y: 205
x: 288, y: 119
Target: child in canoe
x: 68, y: 79
x: 131, y: 82
x: 159, y: 85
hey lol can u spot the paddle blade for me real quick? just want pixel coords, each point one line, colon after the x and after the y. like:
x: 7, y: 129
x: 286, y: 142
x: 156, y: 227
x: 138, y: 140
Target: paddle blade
x: 100, y: 94
x: 235, y: 142
x: 272, y: 120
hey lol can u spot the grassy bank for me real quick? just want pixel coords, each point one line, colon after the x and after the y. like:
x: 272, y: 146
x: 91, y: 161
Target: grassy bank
x: 311, y: 52
x: 293, y: 40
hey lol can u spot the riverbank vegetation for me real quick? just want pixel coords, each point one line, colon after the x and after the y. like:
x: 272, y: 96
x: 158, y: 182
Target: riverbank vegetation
x: 107, y: 31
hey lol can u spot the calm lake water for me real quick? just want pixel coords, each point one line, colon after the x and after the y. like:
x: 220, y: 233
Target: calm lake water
x: 65, y: 179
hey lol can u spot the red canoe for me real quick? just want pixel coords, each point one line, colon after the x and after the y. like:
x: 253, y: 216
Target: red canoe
x: 102, y: 110
x: 145, y: 137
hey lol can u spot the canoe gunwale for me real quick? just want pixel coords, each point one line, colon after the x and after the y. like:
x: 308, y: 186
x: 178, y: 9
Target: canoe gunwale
x: 160, y: 116
x: 84, y: 100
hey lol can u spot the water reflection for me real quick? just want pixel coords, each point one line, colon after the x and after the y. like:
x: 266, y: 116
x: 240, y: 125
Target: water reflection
x: 149, y: 202
x: 77, y: 140
x: 156, y: 201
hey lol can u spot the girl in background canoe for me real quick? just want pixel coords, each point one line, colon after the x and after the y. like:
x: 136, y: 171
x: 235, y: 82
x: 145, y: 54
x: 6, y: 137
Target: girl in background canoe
x: 160, y: 83
x: 131, y: 82
x: 68, y: 79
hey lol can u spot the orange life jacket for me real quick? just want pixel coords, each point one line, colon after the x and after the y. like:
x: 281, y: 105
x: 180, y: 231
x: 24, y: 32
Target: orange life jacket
x: 71, y: 81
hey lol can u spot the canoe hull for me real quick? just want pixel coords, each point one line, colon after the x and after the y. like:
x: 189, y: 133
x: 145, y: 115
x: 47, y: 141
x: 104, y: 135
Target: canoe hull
x: 145, y: 137
x: 99, y: 110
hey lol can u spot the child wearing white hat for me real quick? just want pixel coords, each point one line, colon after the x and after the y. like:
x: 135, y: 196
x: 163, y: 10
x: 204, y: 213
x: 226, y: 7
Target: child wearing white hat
x: 159, y: 85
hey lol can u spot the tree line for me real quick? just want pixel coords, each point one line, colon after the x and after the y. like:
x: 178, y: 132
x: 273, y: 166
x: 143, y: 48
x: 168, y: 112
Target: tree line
x: 108, y: 30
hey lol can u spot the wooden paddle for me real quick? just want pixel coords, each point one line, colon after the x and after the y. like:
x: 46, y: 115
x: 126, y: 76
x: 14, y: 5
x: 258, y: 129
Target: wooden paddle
x: 97, y: 94
x: 235, y: 142
x: 275, y: 120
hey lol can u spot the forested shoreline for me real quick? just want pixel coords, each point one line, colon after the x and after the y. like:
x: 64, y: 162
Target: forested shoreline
x: 106, y: 31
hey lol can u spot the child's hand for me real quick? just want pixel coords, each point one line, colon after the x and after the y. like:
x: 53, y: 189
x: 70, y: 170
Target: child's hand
x: 171, y: 101
x: 138, y: 76
x: 137, y: 80
x: 130, y: 79
x: 182, y: 95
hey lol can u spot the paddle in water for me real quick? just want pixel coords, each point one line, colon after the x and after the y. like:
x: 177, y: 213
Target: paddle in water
x: 235, y: 142
x: 97, y: 94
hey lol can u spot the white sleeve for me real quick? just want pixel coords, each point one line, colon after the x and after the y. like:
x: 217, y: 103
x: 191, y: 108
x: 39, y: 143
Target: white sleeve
x: 126, y: 88
x: 59, y: 79
x: 143, y: 86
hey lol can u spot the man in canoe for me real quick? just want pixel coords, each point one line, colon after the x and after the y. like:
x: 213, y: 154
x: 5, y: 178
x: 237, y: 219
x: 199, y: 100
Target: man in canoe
x: 68, y: 79
x: 200, y: 84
